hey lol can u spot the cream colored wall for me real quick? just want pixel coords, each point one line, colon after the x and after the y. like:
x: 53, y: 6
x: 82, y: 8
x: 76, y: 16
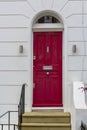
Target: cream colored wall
x: 16, y: 19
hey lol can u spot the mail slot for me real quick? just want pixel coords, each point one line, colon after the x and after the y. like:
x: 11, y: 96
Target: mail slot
x: 47, y: 67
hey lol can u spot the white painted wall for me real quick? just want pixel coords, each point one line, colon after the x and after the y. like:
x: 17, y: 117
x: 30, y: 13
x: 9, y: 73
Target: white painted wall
x: 16, y: 19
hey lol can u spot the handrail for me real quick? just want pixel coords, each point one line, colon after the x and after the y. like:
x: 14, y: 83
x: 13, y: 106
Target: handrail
x: 21, y: 106
x: 7, y: 113
x: 83, y: 126
x: 3, y: 114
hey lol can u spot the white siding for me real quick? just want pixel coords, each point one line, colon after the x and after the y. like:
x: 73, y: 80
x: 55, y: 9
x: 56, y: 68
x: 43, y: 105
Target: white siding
x: 58, y: 5
x: 13, y: 63
x: 16, y: 8
x: 74, y: 20
x: 75, y: 63
x: 85, y: 63
x: 72, y: 7
x: 36, y: 5
x: 13, y: 77
x: 85, y: 77
x: 85, y: 20
x: 15, y: 20
x: 11, y: 49
x: 72, y: 34
x: 85, y: 6
x: 85, y: 34
x: 13, y: 92
x: 74, y: 76
x: 14, y: 34
x: 46, y: 5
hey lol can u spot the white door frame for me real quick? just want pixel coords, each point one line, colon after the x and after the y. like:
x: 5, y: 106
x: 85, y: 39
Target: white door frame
x: 35, y: 28
x: 50, y: 28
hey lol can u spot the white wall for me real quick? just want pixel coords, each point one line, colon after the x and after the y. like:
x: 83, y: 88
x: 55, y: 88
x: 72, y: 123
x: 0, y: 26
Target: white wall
x: 15, y: 68
x: 15, y: 30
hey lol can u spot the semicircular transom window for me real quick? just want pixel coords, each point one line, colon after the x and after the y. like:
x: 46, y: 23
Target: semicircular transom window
x: 47, y: 19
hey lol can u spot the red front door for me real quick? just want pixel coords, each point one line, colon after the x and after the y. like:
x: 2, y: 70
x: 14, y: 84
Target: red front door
x: 47, y: 69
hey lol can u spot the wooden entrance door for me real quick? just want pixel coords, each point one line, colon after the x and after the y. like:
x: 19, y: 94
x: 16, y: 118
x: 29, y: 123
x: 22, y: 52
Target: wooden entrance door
x: 47, y: 69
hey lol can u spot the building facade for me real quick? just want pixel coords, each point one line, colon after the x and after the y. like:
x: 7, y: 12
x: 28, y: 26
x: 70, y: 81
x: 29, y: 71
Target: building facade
x: 27, y: 28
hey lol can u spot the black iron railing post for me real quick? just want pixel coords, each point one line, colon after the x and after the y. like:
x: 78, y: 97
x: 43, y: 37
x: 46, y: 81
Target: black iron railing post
x: 21, y: 106
x: 2, y: 126
x: 14, y: 127
x: 23, y: 99
x: 11, y: 125
x: 83, y: 126
x: 8, y: 120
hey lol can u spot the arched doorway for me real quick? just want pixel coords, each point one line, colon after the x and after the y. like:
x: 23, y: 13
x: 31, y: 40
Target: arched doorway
x: 47, y: 61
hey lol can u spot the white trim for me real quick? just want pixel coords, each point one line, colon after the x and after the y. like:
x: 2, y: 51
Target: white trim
x: 46, y: 30
x: 64, y: 52
x: 47, y: 108
x: 48, y: 27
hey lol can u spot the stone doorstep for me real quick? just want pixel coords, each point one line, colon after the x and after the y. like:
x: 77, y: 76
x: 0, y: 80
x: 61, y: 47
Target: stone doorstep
x: 42, y: 114
x: 46, y: 124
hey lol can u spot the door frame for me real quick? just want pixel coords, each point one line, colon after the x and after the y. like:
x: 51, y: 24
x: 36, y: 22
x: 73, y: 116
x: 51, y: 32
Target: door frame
x: 65, y: 82
x: 51, y: 28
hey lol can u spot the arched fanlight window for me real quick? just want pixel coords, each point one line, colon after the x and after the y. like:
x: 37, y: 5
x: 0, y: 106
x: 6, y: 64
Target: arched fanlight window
x: 47, y: 19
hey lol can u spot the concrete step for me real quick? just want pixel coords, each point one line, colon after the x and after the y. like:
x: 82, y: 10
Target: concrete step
x: 48, y: 110
x: 46, y: 117
x: 45, y: 126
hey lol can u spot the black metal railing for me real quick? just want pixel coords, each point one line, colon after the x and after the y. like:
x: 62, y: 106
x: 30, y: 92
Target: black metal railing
x: 14, y: 126
x: 9, y: 125
x: 21, y: 110
x: 21, y: 106
x: 83, y: 126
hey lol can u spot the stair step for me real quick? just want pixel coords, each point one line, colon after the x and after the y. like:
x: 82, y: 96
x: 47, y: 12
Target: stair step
x: 46, y: 117
x: 46, y: 126
x: 48, y: 110
x: 46, y: 114
x: 46, y: 121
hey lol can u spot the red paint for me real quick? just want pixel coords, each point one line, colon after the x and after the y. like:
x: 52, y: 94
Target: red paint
x: 48, y: 88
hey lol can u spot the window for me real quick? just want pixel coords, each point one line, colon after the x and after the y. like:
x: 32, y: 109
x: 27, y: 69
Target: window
x: 48, y: 19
